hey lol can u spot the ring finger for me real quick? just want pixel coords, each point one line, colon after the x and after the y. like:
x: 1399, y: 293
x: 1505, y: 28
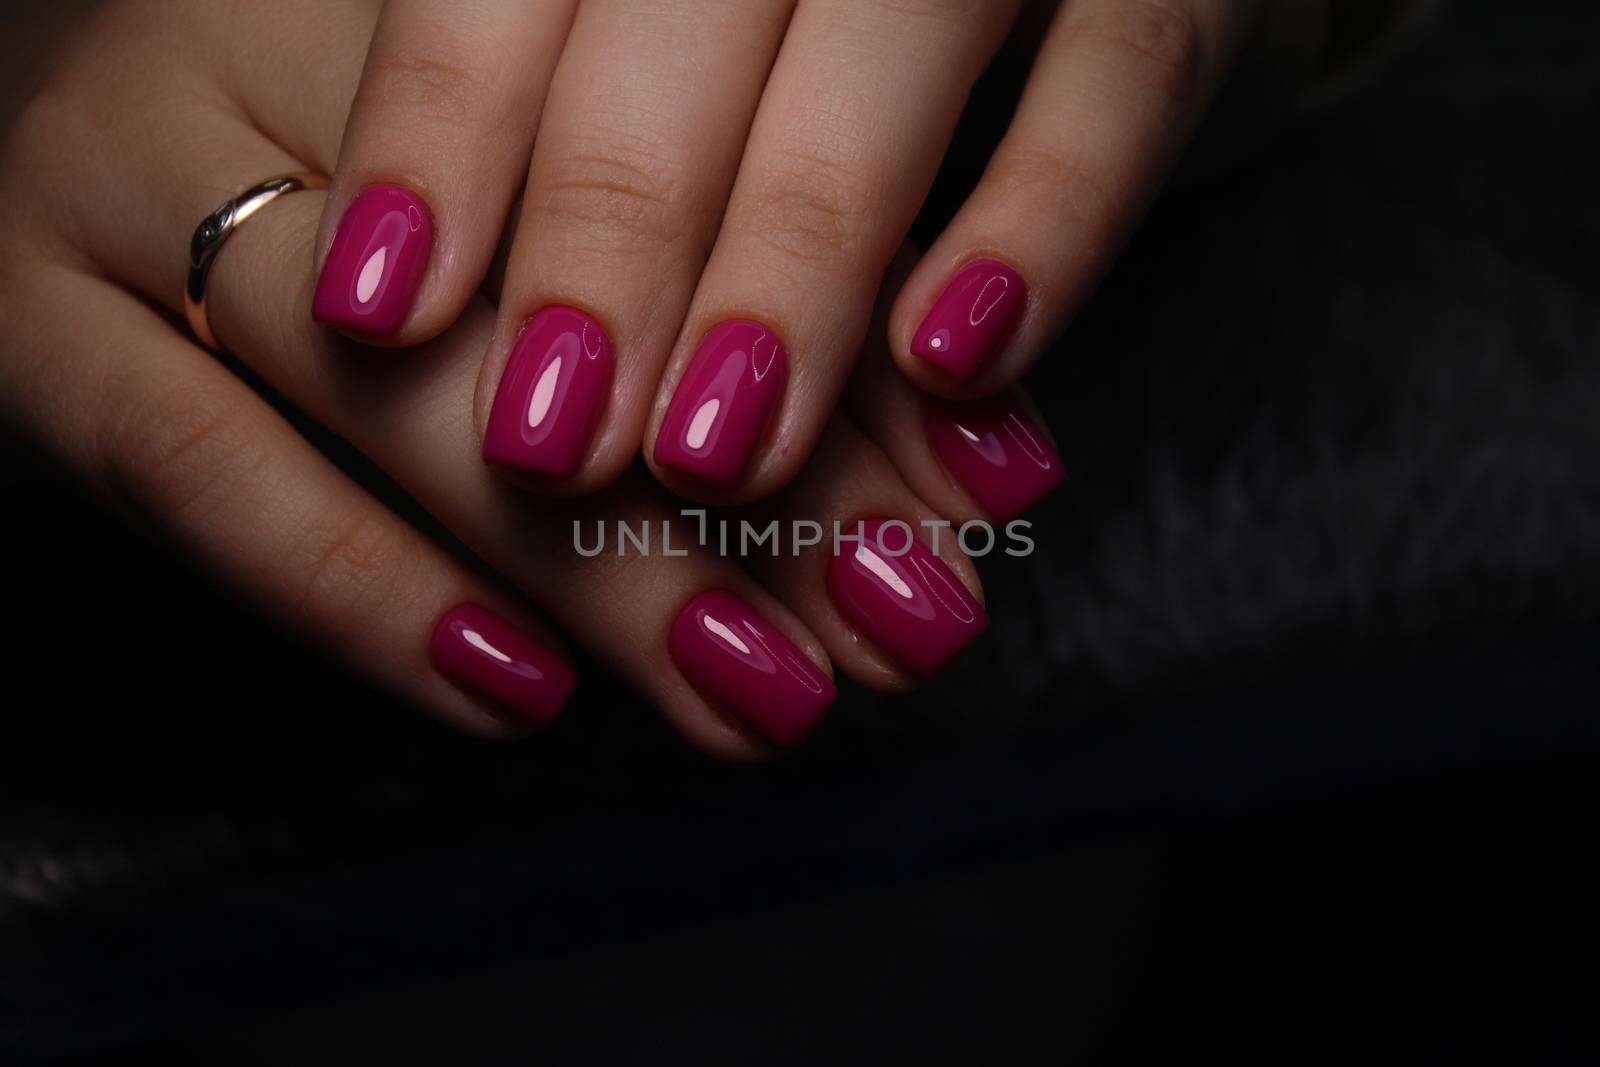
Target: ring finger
x: 437, y: 139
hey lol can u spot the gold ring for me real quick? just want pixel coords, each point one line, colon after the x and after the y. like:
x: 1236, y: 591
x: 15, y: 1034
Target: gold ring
x: 214, y: 231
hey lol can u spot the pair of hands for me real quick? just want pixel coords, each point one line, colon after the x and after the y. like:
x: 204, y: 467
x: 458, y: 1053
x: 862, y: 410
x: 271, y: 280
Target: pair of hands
x: 716, y: 190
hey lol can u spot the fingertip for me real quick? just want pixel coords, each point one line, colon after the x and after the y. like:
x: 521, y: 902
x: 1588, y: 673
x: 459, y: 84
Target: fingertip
x: 997, y: 452
x: 913, y: 605
x: 953, y: 327
x: 494, y: 661
x: 379, y: 258
x: 720, y: 415
x: 544, y: 426
x: 746, y: 666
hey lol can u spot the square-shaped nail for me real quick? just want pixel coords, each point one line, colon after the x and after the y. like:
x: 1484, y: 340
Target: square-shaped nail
x: 723, y: 402
x: 903, y: 598
x: 482, y: 652
x: 550, y: 394
x: 964, y: 328
x: 380, y: 253
x: 996, y: 452
x: 731, y: 654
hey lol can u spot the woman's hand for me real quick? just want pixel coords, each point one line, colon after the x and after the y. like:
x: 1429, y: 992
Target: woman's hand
x: 716, y: 188
x: 161, y: 112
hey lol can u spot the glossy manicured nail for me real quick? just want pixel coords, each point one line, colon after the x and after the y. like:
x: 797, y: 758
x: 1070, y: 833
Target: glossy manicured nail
x: 377, y: 261
x: 482, y: 652
x: 723, y: 403
x: 910, y: 604
x: 550, y: 394
x: 998, y: 454
x: 971, y: 317
x: 742, y: 661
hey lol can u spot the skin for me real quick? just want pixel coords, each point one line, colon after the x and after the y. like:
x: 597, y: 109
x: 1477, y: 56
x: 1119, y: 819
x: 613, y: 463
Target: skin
x: 181, y: 105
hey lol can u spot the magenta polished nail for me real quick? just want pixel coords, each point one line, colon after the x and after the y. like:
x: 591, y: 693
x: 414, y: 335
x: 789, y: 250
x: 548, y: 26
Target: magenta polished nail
x: 910, y: 605
x: 723, y: 403
x: 998, y: 454
x: 743, y: 662
x: 379, y: 255
x: 483, y: 653
x: 550, y: 394
x: 966, y: 324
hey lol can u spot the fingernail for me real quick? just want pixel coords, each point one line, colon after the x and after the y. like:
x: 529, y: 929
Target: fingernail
x: 903, y: 599
x: 971, y: 317
x: 550, y: 394
x: 733, y: 655
x: 998, y: 454
x: 723, y: 403
x: 482, y: 652
x: 377, y: 261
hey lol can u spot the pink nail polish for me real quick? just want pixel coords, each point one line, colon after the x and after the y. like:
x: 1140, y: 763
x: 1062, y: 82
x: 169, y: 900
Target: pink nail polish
x: 743, y: 662
x: 550, y: 394
x: 723, y: 403
x: 482, y: 652
x: 971, y: 317
x: 377, y: 261
x: 998, y: 454
x: 903, y: 598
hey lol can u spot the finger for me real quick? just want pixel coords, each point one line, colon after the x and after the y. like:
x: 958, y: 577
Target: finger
x: 435, y: 151
x: 159, y: 423
x: 990, y: 459
x: 859, y: 109
x: 1116, y: 92
x: 632, y: 168
x: 413, y: 419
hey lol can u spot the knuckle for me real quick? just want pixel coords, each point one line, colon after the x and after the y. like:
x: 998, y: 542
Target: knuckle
x: 347, y: 568
x: 1164, y: 38
x: 437, y: 85
x: 618, y: 574
x: 615, y: 196
x: 183, y: 455
x: 79, y: 102
x: 1072, y: 187
x: 811, y: 210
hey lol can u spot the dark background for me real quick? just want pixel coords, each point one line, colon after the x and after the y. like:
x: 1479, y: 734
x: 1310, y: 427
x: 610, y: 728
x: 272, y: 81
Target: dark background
x: 1282, y: 748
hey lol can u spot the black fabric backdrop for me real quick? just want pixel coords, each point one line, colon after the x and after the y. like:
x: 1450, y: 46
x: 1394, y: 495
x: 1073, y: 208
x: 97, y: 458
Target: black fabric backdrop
x: 1281, y: 747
